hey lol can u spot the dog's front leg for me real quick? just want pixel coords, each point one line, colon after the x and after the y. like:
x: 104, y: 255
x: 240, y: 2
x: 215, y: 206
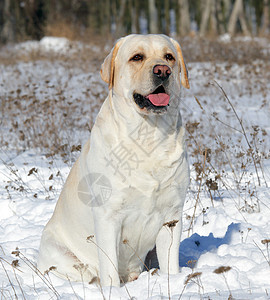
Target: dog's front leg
x: 107, y: 237
x: 167, y: 245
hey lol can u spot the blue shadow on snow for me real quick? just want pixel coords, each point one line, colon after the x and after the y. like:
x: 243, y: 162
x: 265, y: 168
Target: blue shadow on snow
x: 193, y: 247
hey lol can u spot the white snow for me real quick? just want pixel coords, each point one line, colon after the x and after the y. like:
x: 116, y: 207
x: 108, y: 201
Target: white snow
x: 223, y: 227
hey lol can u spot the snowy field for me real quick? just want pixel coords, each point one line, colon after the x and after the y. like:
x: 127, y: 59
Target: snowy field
x: 50, y: 93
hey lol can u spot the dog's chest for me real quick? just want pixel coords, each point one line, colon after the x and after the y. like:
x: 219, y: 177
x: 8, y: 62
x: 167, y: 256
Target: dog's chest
x: 143, y: 181
x: 154, y: 160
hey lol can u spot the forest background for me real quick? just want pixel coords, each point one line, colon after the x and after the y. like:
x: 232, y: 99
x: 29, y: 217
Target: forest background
x: 105, y: 19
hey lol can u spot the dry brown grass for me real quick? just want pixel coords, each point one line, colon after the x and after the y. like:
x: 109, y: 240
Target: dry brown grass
x: 73, y: 32
x: 213, y: 50
x: 62, y: 28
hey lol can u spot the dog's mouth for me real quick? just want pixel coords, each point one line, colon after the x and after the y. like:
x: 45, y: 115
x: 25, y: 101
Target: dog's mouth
x: 157, y: 100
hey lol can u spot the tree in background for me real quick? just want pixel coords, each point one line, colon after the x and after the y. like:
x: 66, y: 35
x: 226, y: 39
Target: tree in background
x: 32, y: 19
x: 265, y: 17
x: 20, y: 19
x: 184, y: 16
x: 153, y: 17
x: 238, y: 13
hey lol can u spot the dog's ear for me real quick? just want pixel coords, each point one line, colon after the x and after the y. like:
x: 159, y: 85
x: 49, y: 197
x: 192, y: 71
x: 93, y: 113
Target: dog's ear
x: 183, y: 67
x: 108, y: 66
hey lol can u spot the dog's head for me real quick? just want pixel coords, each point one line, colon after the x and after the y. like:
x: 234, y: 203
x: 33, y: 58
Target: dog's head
x: 145, y: 69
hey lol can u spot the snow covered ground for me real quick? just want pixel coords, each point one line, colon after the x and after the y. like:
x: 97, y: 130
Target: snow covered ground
x: 50, y: 94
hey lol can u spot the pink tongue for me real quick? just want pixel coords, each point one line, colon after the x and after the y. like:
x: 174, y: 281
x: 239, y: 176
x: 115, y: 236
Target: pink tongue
x: 161, y: 99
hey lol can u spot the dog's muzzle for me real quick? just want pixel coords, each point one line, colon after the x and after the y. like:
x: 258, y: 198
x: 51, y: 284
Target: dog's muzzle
x: 157, y: 101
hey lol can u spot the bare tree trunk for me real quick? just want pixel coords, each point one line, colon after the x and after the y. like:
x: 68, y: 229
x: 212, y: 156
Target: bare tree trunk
x: 167, y: 16
x: 114, y: 18
x: 7, y: 33
x: 106, y: 18
x: 209, y: 18
x: 92, y: 17
x: 153, y: 26
x: 137, y: 16
x: 221, y: 18
x: 265, y: 26
x: 205, y: 16
x: 243, y: 21
x: 128, y: 17
x: 184, y: 25
x: 159, y: 6
x: 234, y: 17
x: 120, y: 30
x: 237, y: 12
x: 213, y: 19
x: 227, y: 7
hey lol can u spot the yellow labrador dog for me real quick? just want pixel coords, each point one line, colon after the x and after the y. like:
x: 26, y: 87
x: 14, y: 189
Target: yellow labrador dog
x: 125, y: 193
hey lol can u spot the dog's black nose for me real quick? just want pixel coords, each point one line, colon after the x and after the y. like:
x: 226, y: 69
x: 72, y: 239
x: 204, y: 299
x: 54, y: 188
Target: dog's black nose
x: 162, y: 71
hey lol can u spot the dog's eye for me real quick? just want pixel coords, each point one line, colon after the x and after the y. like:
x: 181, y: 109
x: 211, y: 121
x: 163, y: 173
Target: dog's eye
x: 137, y: 57
x: 169, y: 57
